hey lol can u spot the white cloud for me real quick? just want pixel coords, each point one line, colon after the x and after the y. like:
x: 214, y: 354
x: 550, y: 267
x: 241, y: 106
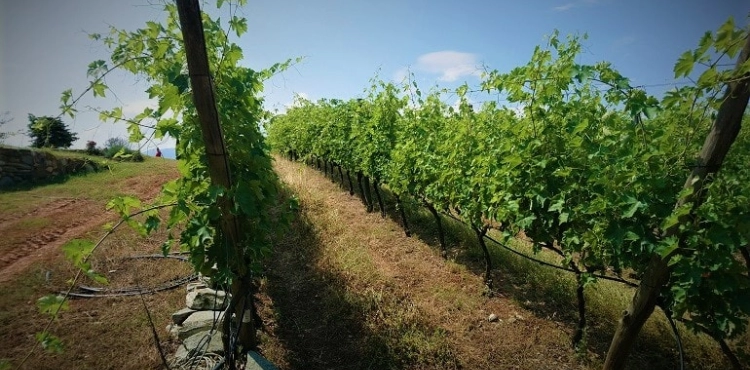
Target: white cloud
x: 574, y: 4
x: 137, y: 107
x: 564, y: 7
x: 449, y: 65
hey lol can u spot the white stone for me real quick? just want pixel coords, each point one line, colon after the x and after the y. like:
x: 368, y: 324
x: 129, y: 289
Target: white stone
x: 174, y: 331
x: 195, y: 286
x: 207, y: 299
x: 179, y: 317
x: 200, y: 343
x: 200, y: 321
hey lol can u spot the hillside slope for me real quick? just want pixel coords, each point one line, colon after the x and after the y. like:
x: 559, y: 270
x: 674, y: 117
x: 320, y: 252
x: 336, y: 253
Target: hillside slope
x: 102, y: 333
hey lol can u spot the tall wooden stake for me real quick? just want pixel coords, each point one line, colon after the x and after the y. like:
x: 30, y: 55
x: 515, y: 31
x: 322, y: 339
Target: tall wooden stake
x: 723, y: 133
x: 218, y: 166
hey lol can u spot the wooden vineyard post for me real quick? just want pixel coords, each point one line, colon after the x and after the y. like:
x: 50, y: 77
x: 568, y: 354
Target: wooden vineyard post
x: 724, y: 131
x: 218, y: 168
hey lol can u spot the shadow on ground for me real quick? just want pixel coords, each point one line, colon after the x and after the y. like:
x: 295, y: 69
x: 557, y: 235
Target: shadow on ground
x: 547, y: 293
x: 314, y: 319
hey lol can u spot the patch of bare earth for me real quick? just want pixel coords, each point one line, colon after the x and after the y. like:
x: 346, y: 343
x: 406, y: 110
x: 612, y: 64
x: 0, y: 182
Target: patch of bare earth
x: 347, y: 290
x: 62, y: 221
x: 100, y: 333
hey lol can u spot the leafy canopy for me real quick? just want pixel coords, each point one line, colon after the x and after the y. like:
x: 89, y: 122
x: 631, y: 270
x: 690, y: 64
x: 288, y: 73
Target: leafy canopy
x: 50, y: 132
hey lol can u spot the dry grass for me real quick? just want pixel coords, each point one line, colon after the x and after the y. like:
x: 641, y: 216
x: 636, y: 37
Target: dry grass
x: 346, y: 284
x: 104, y: 333
x: 344, y: 289
x: 347, y: 290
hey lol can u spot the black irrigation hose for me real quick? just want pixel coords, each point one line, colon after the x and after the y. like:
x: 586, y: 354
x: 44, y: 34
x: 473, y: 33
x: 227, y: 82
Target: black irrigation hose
x: 107, y: 294
x: 543, y: 263
x: 605, y: 277
x: 677, y: 338
x: 94, y: 292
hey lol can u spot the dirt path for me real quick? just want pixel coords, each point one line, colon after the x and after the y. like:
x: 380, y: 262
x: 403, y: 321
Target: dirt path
x: 63, y: 220
x: 104, y: 333
x: 370, y: 258
x: 36, y: 232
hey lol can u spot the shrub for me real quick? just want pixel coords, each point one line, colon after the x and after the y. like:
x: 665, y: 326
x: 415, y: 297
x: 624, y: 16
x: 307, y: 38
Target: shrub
x: 91, y: 148
x: 119, y: 149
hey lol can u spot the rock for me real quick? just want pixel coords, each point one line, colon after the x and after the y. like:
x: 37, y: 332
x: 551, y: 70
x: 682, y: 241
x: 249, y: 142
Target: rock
x: 206, y: 279
x: 5, y: 181
x: 174, y: 331
x: 200, y: 321
x: 493, y: 318
x: 200, y: 343
x: 179, y: 317
x: 257, y: 362
x: 207, y: 299
x: 20, y: 167
x: 195, y: 285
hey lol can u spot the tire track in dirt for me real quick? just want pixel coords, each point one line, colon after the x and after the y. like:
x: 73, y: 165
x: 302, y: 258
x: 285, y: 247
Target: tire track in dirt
x: 70, y: 218
x: 68, y: 223
x: 10, y: 220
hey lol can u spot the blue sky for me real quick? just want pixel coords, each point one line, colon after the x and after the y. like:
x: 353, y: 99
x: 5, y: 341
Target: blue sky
x: 44, y: 48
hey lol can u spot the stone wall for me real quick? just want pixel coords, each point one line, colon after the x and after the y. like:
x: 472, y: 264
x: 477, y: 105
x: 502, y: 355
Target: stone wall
x: 199, y: 326
x: 29, y: 167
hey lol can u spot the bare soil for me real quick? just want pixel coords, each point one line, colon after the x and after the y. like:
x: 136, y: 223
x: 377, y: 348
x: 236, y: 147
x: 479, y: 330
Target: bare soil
x: 62, y: 220
x: 101, y: 333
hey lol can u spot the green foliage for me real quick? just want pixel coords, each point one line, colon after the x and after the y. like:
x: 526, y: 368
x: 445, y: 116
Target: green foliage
x: 91, y: 148
x: 77, y: 252
x: 50, y: 132
x: 157, y: 53
x: 52, y: 304
x: 50, y: 342
x: 119, y: 149
x: 578, y: 159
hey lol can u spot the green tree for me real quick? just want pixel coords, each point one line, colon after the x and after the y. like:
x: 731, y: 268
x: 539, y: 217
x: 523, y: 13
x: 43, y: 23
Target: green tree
x: 50, y: 132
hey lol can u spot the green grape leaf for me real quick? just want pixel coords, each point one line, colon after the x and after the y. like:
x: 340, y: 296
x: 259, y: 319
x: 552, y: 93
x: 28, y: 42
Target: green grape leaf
x: 49, y: 342
x: 52, y: 304
x: 77, y: 250
x: 684, y: 65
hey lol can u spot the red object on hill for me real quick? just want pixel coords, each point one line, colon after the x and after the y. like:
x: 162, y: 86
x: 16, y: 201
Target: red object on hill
x: 158, y: 152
